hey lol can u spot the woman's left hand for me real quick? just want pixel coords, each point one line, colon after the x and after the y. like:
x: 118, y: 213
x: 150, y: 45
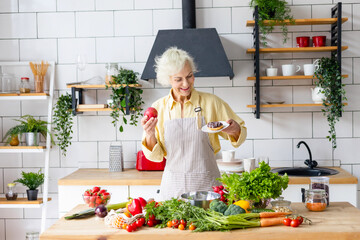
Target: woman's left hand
x: 233, y: 129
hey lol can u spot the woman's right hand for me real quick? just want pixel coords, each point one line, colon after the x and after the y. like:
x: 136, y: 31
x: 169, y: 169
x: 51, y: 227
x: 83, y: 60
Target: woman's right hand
x: 149, y: 125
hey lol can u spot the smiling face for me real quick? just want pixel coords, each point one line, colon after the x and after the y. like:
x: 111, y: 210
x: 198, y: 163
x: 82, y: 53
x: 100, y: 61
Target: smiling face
x: 182, y: 83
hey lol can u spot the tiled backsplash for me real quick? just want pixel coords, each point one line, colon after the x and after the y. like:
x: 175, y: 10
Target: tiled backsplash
x: 124, y: 31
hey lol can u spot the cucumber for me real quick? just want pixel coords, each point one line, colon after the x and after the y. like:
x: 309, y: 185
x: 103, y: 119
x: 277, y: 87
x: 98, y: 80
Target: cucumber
x: 260, y: 210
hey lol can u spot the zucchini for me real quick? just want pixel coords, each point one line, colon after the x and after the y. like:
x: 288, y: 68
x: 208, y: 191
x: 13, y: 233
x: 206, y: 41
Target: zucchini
x: 260, y: 210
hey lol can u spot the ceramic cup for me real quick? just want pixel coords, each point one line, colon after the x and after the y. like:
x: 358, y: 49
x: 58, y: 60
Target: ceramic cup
x: 249, y: 164
x: 319, y: 41
x: 290, y: 69
x: 271, y: 72
x: 302, y: 41
x: 228, y: 155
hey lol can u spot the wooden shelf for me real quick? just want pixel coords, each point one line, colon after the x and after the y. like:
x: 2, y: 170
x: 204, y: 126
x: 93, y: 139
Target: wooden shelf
x: 289, y: 77
x: 313, y: 21
x: 20, y: 149
x: 84, y: 109
x: 21, y: 203
x: 100, y: 86
x: 297, y: 49
x: 289, y: 105
x: 23, y: 96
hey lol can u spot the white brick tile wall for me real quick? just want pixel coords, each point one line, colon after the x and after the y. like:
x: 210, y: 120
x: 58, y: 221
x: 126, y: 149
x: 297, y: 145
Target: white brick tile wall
x: 199, y: 3
x: 70, y: 49
x: 130, y: 132
x: 9, y: 6
x: 133, y: 23
x: 87, y: 131
x: 243, y: 70
x: 23, y: 25
x: 64, y: 74
x: 167, y: 19
x: 143, y: 46
x: 2, y: 184
x: 235, y: 95
x: 37, y: 5
x: 10, y: 160
x: 320, y: 149
x: 51, y: 211
x: 301, y: 2
x: 9, y: 50
x: 36, y: 107
x: 94, y: 24
x: 78, y: 5
x: 114, y: 4
x: 219, y: 18
x: 280, y: 150
x: 353, y: 97
x: 347, y: 68
x: 56, y: 173
x: 34, y: 49
x: 37, y: 159
x: 120, y: 49
x: 77, y: 152
x: 230, y: 3
x: 300, y: 12
x: 356, y: 71
x: 258, y: 128
x: 239, y: 17
x: 246, y: 150
x: 356, y: 124
x: 345, y: 150
x: 343, y: 127
x: 235, y: 45
x: 152, y: 4
x: 11, y: 213
x: 289, y: 125
x: 213, y: 82
x: 52, y: 25
x: 356, y: 172
x: 356, y: 20
x: 349, y: 38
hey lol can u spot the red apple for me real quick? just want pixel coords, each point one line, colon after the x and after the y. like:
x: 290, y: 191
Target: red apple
x: 151, y: 112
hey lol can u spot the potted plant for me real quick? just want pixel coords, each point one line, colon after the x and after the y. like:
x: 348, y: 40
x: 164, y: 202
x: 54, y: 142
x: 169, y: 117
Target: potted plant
x: 32, y: 181
x: 63, y: 122
x: 118, y: 85
x: 329, y: 79
x: 276, y: 10
x: 31, y: 127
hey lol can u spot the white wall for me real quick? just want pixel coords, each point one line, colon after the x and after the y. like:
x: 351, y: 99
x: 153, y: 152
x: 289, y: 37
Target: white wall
x: 124, y: 31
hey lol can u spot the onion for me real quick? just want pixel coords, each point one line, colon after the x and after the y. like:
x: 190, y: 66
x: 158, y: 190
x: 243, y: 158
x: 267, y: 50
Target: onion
x: 101, y: 211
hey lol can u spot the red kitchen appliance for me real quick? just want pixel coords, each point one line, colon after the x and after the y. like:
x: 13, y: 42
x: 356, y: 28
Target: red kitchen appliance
x: 144, y: 164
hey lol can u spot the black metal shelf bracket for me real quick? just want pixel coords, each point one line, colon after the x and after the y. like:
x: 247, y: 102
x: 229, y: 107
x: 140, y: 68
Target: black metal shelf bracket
x: 256, y: 39
x: 127, y: 100
x: 74, y: 100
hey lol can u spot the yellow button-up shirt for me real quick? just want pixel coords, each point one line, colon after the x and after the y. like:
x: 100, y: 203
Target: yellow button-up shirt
x: 212, y: 109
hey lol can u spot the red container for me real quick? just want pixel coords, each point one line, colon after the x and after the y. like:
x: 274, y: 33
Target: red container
x: 319, y: 41
x: 302, y: 41
x: 144, y: 164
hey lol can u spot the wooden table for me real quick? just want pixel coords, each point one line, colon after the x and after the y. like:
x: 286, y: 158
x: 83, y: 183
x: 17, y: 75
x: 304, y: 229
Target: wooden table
x: 339, y: 221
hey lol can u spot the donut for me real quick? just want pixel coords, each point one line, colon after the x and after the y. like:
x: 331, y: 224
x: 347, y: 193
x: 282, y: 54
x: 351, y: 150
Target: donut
x: 214, y: 126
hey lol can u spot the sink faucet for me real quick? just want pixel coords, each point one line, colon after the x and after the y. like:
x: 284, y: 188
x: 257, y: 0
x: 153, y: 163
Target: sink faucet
x: 309, y: 162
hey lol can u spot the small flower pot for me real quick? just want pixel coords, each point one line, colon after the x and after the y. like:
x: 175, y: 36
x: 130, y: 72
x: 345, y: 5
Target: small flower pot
x: 32, y: 194
x: 32, y: 139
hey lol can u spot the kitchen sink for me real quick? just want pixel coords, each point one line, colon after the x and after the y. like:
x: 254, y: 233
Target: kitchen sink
x: 305, y: 171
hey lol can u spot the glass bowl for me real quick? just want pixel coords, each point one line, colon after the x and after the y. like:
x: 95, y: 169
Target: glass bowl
x: 94, y: 201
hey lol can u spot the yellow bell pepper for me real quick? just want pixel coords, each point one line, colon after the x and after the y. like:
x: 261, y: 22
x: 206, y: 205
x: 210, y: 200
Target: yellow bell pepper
x: 243, y: 204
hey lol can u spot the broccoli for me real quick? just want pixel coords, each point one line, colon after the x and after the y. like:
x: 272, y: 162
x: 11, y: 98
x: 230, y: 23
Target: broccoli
x: 218, y: 206
x: 233, y: 210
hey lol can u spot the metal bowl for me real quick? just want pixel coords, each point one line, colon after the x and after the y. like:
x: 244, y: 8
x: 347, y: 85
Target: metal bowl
x: 200, y: 198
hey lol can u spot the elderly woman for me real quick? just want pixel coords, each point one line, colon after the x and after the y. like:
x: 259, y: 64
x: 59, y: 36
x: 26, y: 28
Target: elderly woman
x: 176, y: 132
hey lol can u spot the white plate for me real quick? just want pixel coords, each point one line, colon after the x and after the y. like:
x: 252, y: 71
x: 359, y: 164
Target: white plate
x: 235, y: 162
x: 207, y: 130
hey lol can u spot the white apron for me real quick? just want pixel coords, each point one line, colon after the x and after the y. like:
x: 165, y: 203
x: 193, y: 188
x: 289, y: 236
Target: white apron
x: 190, y: 162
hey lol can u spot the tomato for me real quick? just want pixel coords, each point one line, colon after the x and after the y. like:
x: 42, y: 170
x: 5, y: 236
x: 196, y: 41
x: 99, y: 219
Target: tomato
x: 150, y: 223
x: 142, y: 220
x: 169, y: 224
x: 301, y: 219
x: 129, y: 228
x: 181, y: 227
x: 133, y: 226
x: 192, y: 227
x: 175, y: 223
x: 295, y: 223
x: 287, y: 221
x: 183, y: 222
x: 138, y: 223
x: 152, y: 217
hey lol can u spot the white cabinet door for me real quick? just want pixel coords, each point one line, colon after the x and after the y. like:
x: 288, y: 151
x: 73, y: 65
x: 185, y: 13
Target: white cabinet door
x: 145, y: 191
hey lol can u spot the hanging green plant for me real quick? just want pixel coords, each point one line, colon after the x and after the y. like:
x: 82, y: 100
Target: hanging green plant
x: 276, y: 10
x: 63, y: 121
x: 329, y: 78
x: 118, y: 85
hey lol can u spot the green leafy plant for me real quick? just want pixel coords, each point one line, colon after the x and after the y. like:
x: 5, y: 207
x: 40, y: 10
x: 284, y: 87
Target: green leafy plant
x: 63, y: 121
x: 31, y: 180
x: 329, y: 79
x: 276, y: 10
x: 256, y: 185
x: 27, y: 124
x: 118, y: 85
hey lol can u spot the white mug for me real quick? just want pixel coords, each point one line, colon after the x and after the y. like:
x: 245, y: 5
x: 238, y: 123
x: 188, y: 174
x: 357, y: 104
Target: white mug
x: 289, y: 69
x: 228, y: 155
x: 249, y: 164
x: 271, y: 72
x: 309, y: 69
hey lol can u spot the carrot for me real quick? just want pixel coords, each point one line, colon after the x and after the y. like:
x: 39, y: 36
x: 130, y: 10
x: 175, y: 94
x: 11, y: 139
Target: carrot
x: 273, y: 214
x: 267, y: 222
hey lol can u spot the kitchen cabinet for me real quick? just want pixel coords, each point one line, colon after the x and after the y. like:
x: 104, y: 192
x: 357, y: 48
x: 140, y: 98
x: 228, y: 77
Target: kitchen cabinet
x: 339, y: 221
x: 77, y: 93
x: 336, y: 22
x: 48, y: 97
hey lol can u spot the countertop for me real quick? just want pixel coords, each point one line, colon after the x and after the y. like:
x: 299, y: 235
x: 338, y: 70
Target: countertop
x: 88, y: 176
x: 339, y: 221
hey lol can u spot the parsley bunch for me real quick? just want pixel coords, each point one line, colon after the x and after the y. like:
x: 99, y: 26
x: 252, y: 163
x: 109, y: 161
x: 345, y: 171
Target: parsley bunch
x: 257, y: 185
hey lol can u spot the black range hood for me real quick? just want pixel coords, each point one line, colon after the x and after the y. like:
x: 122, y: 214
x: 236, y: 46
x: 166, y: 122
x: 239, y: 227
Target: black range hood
x: 203, y: 44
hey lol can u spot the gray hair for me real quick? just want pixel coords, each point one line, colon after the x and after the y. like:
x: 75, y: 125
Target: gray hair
x: 171, y: 62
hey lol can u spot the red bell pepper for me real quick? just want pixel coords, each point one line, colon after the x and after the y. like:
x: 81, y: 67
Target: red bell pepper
x: 142, y: 202
x: 134, y: 207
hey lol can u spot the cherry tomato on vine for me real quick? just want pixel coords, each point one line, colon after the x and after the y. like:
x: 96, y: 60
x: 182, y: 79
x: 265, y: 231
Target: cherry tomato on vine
x: 181, y: 227
x: 133, y: 226
x: 287, y: 221
x: 152, y: 217
x: 175, y: 223
x: 169, y: 224
x: 129, y: 228
x: 301, y: 219
x: 183, y: 222
x: 295, y: 223
x: 150, y: 223
x: 192, y: 227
